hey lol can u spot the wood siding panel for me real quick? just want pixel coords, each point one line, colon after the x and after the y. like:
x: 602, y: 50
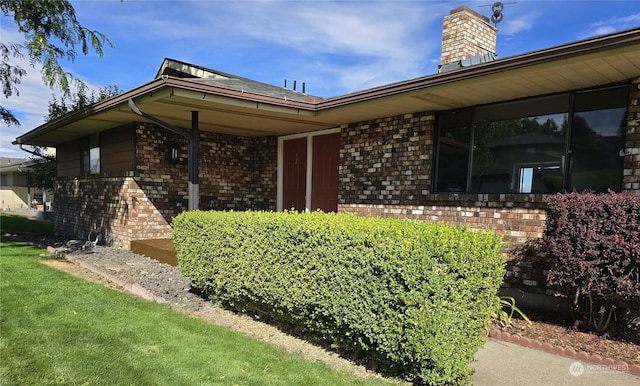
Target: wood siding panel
x: 294, y: 174
x: 117, y: 151
x: 69, y: 159
x: 326, y: 163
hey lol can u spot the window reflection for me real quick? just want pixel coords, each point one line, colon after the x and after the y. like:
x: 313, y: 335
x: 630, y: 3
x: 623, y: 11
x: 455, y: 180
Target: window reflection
x: 453, y: 153
x: 597, y: 141
x: 91, y: 154
x: 521, y: 146
x: 519, y: 155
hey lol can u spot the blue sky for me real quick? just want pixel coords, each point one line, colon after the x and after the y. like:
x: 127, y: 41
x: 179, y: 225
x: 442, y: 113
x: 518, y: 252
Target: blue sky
x: 335, y: 47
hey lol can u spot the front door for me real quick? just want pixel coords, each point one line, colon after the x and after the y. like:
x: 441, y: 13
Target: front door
x: 294, y: 174
x: 324, y: 172
x: 310, y: 172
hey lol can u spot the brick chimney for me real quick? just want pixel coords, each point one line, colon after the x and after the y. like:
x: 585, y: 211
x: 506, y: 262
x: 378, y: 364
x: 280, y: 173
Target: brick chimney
x: 466, y: 33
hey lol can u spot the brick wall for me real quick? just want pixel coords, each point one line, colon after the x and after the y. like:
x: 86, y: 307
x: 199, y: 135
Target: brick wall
x: 386, y: 161
x: 114, y: 207
x: 238, y: 172
x: 631, y: 172
x: 386, y: 170
x: 466, y: 33
x: 483, y: 212
x: 235, y: 173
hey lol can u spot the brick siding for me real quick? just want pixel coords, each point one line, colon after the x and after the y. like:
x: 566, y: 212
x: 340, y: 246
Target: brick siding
x: 235, y: 173
x: 631, y: 172
x: 385, y: 170
x: 466, y: 33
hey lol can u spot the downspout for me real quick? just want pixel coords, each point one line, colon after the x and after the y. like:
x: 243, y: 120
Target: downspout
x: 28, y: 189
x: 194, y: 138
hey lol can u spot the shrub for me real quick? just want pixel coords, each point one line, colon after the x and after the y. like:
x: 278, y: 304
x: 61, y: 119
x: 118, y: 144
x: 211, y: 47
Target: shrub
x: 593, y: 246
x: 414, y: 298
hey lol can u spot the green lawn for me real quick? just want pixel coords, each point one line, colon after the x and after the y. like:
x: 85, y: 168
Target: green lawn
x: 58, y: 329
x: 20, y: 224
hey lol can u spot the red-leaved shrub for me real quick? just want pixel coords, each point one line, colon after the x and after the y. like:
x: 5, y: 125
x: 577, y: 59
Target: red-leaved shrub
x: 592, y: 242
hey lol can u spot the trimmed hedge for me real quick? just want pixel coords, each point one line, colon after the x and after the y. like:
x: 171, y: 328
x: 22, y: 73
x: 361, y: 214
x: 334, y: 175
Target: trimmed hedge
x: 414, y: 298
x: 593, y: 246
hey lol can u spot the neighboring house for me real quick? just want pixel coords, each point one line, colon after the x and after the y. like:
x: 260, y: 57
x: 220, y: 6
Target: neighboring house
x: 16, y: 193
x: 479, y: 143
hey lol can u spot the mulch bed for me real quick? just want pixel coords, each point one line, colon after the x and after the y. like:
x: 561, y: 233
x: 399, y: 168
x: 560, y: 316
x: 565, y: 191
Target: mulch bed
x: 561, y: 333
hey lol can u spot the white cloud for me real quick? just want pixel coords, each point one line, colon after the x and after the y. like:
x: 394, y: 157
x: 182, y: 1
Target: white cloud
x: 393, y: 38
x: 359, y: 44
x: 519, y: 24
x: 27, y: 104
x: 613, y: 24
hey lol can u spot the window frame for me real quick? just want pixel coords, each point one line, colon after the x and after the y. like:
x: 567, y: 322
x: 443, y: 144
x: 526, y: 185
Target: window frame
x: 567, y: 161
x: 91, y: 151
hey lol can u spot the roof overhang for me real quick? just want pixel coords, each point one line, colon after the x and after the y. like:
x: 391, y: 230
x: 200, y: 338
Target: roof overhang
x: 20, y: 166
x: 598, y: 61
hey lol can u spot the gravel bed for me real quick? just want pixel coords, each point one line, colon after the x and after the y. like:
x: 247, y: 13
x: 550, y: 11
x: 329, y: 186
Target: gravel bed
x: 161, y: 280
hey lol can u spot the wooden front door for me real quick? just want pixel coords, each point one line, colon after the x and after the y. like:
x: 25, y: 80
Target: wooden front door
x: 294, y: 174
x: 324, y: 172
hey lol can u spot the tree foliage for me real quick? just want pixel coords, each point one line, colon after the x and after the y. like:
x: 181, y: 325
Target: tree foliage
x: 81, y: 99
x: 52, y: 33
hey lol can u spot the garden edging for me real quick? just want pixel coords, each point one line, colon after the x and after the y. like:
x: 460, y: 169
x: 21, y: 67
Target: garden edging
x: 565, y: 352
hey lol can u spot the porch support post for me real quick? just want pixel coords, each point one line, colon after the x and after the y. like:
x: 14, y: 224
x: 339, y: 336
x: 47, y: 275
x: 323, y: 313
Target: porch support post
x: 194, y: 143
x: 194, y: 170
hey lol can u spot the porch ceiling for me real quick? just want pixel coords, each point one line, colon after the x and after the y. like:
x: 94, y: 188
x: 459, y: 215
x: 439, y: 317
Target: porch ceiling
x: 598, y: 61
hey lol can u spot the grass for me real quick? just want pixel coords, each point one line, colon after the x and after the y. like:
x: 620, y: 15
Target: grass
x: 58, y: 329
x: 19, y: 224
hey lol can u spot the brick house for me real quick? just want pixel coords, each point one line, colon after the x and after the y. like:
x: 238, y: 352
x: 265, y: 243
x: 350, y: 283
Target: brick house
x: 479, y: 143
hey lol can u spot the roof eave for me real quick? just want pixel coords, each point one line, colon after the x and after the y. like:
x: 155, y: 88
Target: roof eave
x: 164, y: 82
x: 582, y: 47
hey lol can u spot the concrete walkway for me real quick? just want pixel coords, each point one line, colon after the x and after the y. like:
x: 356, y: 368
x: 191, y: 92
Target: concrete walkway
x: 503, y: 363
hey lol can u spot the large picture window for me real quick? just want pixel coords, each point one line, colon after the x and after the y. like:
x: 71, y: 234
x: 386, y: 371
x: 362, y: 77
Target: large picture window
x: 454, y: 150
x: 541, y: 145
x: 597, y: 144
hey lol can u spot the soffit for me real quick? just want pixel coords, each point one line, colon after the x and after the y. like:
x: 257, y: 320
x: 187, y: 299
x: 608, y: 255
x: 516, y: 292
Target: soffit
x: 252, y: 116
x: 551, y: 77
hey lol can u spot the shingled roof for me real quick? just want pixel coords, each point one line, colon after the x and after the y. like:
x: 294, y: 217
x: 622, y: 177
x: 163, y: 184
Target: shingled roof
x: 203, y: 75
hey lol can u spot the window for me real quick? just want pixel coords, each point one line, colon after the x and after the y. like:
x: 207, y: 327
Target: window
x: 522, y: 146
x: 91, y: 154
x: 597, y: 144
x: 518, y: 147
x: 453, y: 152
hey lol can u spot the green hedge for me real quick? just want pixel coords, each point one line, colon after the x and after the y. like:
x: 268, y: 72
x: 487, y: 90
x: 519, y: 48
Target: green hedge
x: 414, y: 298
